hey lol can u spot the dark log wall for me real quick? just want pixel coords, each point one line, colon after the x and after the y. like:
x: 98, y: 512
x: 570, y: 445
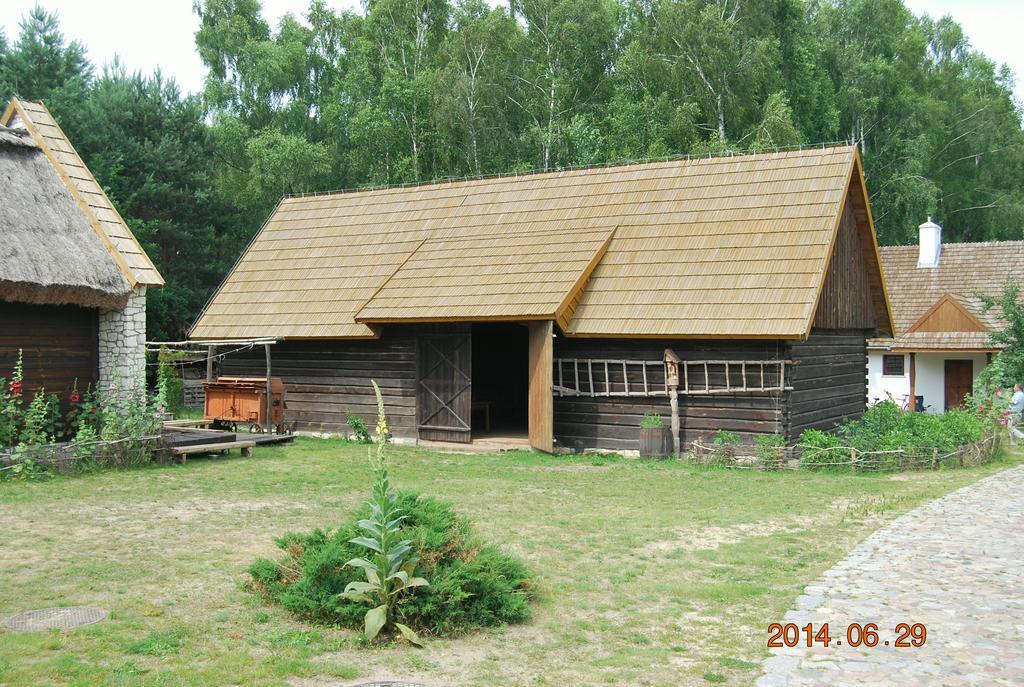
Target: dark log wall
x: 614, y: 422
x: 59, y: 344
x: 829, y: 379
x: 327, y: 379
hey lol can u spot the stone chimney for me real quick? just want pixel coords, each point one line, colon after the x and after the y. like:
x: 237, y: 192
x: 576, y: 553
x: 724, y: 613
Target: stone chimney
x: 930, y: 244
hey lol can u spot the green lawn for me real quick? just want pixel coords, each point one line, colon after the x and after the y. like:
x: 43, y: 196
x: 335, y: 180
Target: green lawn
x: 650, y: 573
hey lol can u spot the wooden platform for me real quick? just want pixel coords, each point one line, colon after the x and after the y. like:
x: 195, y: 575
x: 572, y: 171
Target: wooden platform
x: 182, y: 440
x: 216, y: 447
x: 176, y: 437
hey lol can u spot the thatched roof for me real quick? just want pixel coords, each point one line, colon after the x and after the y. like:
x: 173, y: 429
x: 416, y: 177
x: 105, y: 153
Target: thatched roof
x: 49, y: 252
x: 726, y: 247
x: 106, y: 222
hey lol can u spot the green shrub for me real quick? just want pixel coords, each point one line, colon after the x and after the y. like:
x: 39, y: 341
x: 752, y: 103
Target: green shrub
x: 885, y: 427
x: 358, y: 427
x: 817, y: 447
x: 651, y: 420
x: 724, y: 437
x: 471, y: 585
x: 769, y: 449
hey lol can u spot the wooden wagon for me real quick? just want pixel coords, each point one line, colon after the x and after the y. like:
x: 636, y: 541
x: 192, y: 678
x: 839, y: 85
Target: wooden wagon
x: 231, y: 401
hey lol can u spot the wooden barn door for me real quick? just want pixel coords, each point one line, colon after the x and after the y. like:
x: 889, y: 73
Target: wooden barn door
x: 445, y: 384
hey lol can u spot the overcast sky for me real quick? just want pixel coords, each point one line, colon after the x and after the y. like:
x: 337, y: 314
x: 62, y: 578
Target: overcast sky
x: 147, y: 34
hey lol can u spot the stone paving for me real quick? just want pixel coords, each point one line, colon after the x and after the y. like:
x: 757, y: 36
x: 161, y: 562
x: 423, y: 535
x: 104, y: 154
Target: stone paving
x: 956, y: 565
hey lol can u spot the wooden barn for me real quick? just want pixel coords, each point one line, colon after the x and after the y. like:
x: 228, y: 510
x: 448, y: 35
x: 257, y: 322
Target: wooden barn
x: 544, y: 305
x: 73, y: 278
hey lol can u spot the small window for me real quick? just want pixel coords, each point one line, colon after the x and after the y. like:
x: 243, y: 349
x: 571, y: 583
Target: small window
x: 892, y: 365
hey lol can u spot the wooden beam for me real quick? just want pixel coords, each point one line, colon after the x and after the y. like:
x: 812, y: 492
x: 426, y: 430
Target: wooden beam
x: 541, y: 410
x: 270, y: 393
x: 210, y: 352
x: 912, y: 403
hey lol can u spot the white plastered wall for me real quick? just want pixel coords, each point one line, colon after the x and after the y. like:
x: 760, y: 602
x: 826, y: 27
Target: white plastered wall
x: 930, y: 380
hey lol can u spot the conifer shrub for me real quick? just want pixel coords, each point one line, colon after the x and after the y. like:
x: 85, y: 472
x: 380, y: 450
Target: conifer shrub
x: 402, y: 562
x: 472, y: 585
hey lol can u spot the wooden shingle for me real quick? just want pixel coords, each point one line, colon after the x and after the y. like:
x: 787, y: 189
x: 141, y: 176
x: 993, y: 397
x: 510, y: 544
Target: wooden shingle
x: 712, y: 247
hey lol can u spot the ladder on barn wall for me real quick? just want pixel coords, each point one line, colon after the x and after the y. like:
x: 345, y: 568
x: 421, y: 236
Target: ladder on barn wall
x: 595, y: 377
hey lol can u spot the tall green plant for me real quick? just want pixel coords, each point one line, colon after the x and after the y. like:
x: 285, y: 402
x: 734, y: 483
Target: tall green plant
x: 391, y: 564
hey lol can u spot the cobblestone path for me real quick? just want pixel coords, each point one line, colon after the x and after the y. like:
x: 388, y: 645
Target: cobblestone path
x: 955, y: 565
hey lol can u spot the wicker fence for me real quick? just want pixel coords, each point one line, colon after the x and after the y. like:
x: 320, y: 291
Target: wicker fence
x: 848, y: 458
x: 69, y: 456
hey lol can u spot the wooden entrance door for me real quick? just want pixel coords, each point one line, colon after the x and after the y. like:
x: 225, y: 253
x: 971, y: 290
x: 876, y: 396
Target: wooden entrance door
x: 445, y: 385
x: 959, y: 382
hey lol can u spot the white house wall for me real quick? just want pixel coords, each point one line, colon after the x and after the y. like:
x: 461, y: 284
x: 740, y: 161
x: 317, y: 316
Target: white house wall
x: 930, y: 381
x: 879, y: 384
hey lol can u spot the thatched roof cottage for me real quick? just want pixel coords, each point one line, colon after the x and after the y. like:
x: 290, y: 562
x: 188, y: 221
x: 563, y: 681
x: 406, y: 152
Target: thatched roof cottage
x: 73, y: 278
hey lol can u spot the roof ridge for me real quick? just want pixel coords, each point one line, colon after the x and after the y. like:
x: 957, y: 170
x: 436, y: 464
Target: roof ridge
x: 946, y: 244
x: 620, y: 163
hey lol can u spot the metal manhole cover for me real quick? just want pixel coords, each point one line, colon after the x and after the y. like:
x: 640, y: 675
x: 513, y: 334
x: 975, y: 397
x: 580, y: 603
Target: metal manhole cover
x: 66, y: 618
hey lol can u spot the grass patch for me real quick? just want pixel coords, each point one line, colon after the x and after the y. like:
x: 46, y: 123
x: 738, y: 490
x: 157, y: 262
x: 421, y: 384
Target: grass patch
x: 654, y: 573
x: 159, y: 644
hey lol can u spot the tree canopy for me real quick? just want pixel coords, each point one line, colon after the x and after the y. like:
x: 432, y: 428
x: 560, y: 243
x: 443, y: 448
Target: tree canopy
x: 414, y: 90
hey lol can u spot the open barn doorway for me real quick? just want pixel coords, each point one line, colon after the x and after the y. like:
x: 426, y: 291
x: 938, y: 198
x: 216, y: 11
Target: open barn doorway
x: 500, y: 381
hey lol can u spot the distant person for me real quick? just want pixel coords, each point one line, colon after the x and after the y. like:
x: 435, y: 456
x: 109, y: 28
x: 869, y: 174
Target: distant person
x: 1016, y: 409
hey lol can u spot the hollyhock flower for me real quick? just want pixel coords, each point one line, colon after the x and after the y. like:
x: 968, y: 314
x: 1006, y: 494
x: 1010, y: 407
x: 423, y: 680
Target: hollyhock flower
x: 16, y: 387
x: 74, y: 397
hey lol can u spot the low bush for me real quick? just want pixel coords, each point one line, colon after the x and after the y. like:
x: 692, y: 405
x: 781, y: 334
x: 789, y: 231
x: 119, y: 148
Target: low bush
x: 770, y: 449
x: 651, y: 420
x: 358, y: 426
x: 411, y: 558
x: 885, y: 427
x: 471, y: 585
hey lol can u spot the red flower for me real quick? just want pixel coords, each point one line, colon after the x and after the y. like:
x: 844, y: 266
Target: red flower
x: 16, y: 387
x: 75, y: 397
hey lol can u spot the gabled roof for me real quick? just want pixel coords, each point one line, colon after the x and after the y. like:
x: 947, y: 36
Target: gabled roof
x: 731, y: 247
x: 100, y: 212
x: 936, y: 294
x: 49, y: 253
x: 519, y: 274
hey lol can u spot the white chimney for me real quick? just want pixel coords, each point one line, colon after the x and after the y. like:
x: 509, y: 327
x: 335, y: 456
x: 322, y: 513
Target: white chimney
x: 930, y: 244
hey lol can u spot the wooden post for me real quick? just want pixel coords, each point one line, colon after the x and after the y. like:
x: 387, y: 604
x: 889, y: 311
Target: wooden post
x: 853, y: 460
x: 210, y: 352
x: 672, y: 383
x: 935, y: 458
x: 270, y: 393
x: 912, y: 405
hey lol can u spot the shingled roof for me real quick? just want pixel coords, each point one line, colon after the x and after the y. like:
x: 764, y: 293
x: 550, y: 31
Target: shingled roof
x: 730, y: 247
x: 937, y: 308
x: 108, y: 225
